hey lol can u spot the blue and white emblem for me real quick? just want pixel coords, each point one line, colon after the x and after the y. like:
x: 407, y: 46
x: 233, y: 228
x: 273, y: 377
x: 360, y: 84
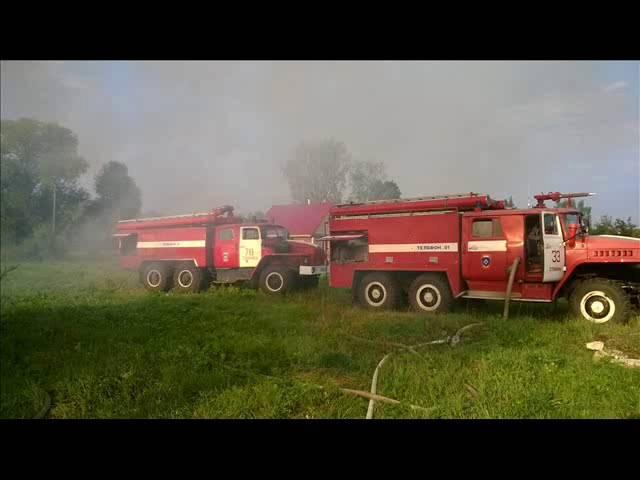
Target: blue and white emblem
x: 486, y: 261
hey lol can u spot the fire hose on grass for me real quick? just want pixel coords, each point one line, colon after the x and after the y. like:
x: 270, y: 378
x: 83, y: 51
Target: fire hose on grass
x: 451, y: 340
x: 512, y: 276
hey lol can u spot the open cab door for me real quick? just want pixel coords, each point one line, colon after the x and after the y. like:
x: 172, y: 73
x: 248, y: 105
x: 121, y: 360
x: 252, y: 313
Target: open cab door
x: 554, y: 255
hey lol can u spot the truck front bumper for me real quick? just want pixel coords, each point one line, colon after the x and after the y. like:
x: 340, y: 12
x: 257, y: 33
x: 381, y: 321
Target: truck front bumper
x: 312, y: 269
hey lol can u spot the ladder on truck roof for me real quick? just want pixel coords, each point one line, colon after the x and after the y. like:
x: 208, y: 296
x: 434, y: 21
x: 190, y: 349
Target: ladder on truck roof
x: 446, y: 196
x: 214, y: 213
x: 214, y: 217
x: 168, y: 217
x: 446, y: 202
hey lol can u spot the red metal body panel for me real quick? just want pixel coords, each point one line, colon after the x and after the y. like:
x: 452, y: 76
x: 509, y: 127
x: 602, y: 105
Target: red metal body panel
x: 226, y: 251
x: 426, y: 243
x: 169, y: 244
x: 599, y: 249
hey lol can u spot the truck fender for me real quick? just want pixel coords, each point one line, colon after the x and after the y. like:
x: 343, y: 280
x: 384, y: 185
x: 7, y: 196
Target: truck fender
x: 262, y: 264
x: 567, y: 279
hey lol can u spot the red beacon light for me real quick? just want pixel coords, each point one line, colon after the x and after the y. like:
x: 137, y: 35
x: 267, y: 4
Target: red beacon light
x: 556, y: 196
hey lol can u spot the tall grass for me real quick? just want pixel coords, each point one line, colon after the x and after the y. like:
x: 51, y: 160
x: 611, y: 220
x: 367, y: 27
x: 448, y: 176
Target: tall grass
x: 102, y: 347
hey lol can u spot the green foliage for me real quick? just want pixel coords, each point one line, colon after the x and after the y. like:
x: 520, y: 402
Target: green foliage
x: 37, y: 157
x: 609, y: 226
x: 317, y: 171
x: 118, y: 194
x: 368, y: 182
x: 102, y: 347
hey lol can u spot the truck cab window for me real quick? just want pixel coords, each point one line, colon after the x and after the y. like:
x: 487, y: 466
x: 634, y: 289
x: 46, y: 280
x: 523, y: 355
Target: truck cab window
x: 250, y: 234
x: 226, y: 234
x: 487, y: 228
x: 276, y: 233
x: 550, y: 225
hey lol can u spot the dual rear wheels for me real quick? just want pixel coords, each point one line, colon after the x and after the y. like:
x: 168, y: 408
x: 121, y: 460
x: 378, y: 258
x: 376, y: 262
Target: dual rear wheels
x: 426, y: 293
x: 183, y: 277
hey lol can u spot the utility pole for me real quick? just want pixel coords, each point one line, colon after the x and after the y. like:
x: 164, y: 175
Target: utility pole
x: 53, y: 216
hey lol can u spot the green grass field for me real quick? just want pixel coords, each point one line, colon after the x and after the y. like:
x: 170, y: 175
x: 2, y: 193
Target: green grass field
x: 102, y: 347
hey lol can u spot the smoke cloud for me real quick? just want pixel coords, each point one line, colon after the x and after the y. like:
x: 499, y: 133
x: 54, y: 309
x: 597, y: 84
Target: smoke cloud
x: 200, y: 134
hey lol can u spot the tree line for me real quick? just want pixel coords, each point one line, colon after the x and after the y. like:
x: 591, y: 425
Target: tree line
x: 43, y: 207
x: 607, y: 225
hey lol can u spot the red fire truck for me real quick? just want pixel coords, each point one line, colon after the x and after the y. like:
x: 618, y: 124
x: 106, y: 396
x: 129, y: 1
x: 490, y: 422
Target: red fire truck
x: 184, y: 252
x: 432, y: 250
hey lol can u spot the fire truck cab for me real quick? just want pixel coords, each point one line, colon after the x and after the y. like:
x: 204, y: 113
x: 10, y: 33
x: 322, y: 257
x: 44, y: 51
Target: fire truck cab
x: 185, y: 252
x: 433, y: 250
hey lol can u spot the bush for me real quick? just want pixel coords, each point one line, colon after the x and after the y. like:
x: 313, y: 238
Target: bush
x: 39, y: 247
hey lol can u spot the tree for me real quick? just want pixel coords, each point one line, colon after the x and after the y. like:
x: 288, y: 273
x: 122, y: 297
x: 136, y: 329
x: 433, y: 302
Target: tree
x: 386, y: 190
x: 317, y: 171
x: 368, y: 182
x: 609, y: 226
x: 118, y: 194
x: 38, y: 160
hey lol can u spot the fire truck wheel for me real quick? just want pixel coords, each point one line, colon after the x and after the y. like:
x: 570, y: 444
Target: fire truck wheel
x: 430, y: 293
x: 600, y: 300
x: 187, y: 278
x: 378, y: 291
x: 276, y: 280
x: 156, y: 277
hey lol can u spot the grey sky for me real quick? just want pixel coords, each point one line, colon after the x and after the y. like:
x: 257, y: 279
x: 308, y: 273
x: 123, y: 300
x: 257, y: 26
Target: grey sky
x: 199, y: 134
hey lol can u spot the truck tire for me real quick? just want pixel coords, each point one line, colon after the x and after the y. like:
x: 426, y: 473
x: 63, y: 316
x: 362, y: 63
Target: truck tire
x: 378, y: 291
x: 430, y: 293
x: 156, y: 277
x: 276, y: 280
x: 600, y: 300
x: 187, y: 278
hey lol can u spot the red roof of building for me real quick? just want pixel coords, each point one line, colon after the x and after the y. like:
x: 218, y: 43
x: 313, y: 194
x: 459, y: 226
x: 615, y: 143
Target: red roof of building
x: 299, y: 219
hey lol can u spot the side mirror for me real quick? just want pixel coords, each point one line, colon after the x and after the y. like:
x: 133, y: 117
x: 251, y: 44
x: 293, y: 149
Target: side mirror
x: 573, y: 232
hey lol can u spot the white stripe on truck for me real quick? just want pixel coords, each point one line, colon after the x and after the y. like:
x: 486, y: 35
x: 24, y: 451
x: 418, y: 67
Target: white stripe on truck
x: 487, y: 246
x: 173, y: 244
x: 413, y: 247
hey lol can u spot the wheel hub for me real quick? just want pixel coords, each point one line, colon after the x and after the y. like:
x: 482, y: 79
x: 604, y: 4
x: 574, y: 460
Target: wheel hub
x: 154, y: 278
x: 274, y: 281
x: 428, y: 297
x: 185, y: 279
x: 376, y: 294
x: 597, y: 307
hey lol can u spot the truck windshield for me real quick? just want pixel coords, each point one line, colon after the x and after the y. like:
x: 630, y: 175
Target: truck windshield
x: 275, y: 233
x: 573, y: 219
